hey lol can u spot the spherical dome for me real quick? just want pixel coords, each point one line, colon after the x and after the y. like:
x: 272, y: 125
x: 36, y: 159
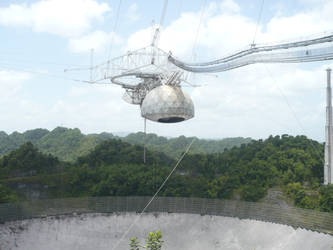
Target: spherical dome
x: 167, y: 104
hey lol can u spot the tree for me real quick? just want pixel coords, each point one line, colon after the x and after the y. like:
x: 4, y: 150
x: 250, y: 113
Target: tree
x: 252, y: 192
x: 153, y: 242
x: 221, y: 187
x: 7, y: 195
x: 326, y: 198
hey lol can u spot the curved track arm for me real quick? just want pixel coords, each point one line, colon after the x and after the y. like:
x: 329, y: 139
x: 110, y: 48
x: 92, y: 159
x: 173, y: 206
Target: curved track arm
x: 115, y: 80
x: 318, y: 49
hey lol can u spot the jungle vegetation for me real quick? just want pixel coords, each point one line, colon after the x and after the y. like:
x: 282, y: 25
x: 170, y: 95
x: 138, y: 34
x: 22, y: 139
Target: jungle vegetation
x: 115, y: 168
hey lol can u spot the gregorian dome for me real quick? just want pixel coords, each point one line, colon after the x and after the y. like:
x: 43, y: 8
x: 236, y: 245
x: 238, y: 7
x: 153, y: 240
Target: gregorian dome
x: 167, y: 104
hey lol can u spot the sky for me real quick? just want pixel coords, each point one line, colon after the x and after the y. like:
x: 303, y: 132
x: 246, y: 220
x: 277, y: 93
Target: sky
x: 40, y: 39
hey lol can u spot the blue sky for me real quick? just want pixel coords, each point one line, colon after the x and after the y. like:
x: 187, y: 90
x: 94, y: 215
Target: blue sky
x: 39, y: 39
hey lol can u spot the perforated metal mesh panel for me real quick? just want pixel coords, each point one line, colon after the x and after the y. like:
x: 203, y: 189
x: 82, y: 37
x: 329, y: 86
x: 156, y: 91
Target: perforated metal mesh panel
x: 167, y: 104
x: 296, y: 217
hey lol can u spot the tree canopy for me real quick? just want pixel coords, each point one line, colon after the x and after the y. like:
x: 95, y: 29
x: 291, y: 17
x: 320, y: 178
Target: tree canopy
x: 114, y: 167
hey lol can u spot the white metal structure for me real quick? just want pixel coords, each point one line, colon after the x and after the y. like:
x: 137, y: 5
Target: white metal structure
x: 147, y: 71
x: 318, y: 48
x: 328, y: 177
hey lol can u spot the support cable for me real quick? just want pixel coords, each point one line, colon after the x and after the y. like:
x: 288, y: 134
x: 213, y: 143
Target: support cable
x: 48, y: 75
x: 165, y: 6
x: 157, y: 33
x: 292, y: 111
x: 114, y: 31
x: 180, y: 7
x: 258, y: 22
x: 196, y: 39
x: 198, y: 30
x: 29, y: 62
x: 154, y: 196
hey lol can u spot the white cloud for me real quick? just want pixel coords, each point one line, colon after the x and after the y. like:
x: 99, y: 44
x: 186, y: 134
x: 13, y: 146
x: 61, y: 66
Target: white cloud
x: 15, y: 109
x: 317, y: 19
x: 224, y: 30
x: 229, y: 5
x: 97, y: 40
x: 313, y: 1
x: 15, y: 15
x: 219, y: 31
x: 252, y: 102
x: 60, y: 17
x: 132, y: 13
x: 10, y: 76
x: 140, y: 39
x: 92, y: 108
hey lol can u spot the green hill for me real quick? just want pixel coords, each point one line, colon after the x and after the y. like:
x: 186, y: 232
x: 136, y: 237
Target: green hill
x: 66, y: 144
x: 27, y: 161
x: 175, y: 146
x: 69, y: 144
x: 14, y: 140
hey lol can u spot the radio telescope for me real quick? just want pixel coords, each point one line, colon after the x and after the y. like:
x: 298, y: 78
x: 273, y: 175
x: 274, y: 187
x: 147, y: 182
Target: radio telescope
x: 152, y: 82
x: 152, y: 77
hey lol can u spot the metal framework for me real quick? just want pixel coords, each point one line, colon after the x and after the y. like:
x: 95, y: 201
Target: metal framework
x: 141, y: 70
x: 138, y: 72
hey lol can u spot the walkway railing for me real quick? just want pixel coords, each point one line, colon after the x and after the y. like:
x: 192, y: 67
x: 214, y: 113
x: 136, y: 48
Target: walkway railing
x: 296, y: 217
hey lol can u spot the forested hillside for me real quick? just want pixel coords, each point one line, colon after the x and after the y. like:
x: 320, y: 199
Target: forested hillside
x: 69, y: 144
x: 66, y: 144
x: 175, y: 146
x: 294, y: 164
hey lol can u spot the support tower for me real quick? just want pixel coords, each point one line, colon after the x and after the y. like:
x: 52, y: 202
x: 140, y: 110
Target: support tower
x: 328, y: 175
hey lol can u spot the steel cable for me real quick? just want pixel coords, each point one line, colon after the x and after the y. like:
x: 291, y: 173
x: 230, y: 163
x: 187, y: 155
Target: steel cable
x: 156, y: 193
